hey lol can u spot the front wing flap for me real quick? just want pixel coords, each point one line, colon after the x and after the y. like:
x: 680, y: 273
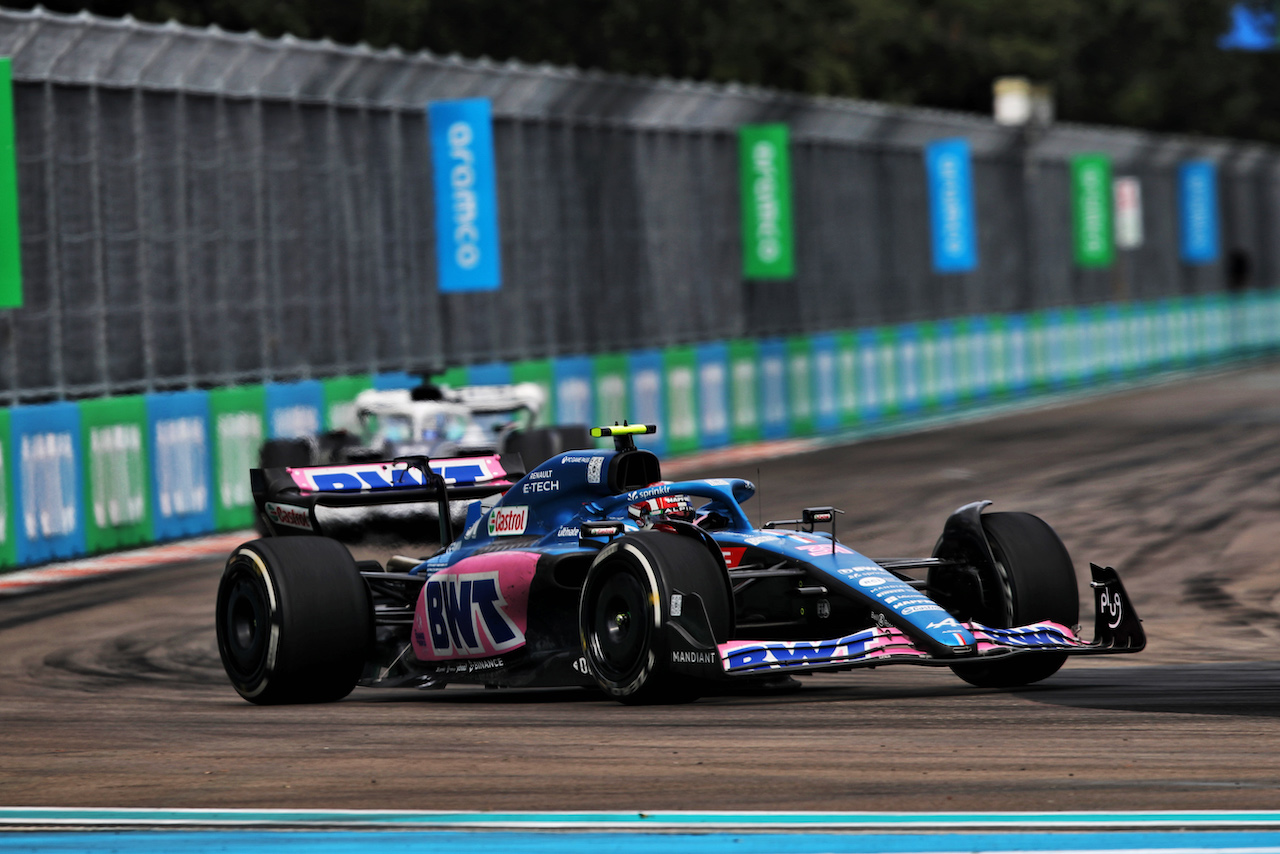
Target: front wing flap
x: 1117, y: 630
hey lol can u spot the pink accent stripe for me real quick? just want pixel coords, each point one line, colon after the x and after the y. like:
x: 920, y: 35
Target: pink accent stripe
x: 27, y: 580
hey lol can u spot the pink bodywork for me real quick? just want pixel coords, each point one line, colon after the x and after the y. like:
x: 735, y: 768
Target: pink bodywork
x: 477, y: 608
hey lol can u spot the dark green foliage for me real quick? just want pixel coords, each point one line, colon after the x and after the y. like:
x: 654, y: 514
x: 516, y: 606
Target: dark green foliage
x: 1146, y: 63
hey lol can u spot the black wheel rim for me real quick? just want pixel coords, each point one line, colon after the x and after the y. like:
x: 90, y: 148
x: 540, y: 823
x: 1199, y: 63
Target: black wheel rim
x: 620, y: 626
x: 244, y: 623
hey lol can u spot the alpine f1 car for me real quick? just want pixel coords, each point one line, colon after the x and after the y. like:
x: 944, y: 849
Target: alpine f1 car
x: 591, y: 570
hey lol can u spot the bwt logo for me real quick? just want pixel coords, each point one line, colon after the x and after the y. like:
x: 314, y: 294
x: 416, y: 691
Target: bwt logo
x: 462, y: 180
x: 466, y: 615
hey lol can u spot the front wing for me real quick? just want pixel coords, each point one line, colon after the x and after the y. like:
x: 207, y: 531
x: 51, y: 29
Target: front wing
x: 1117, y: 630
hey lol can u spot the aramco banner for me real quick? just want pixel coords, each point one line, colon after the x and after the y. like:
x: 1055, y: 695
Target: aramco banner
x: 951, y: 210
x: 466, y: 195
x: 1198, y: 211
x: 768, y: 242
x: 1091, y: 216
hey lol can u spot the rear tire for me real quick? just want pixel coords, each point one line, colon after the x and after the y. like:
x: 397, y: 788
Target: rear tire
x: 1034, y: 581
x: 294, y: 620
x: 625, y: 607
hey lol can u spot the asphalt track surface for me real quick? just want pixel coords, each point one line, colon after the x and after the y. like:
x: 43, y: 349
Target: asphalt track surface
x: 111, y: 692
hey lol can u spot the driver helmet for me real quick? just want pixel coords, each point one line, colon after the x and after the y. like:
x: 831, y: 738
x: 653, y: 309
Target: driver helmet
x: 678, y: 507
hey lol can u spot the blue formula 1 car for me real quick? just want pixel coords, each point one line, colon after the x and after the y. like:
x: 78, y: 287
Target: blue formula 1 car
x: 592, y: 570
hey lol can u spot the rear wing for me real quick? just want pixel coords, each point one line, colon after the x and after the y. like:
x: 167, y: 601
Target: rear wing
x: 287, y: 497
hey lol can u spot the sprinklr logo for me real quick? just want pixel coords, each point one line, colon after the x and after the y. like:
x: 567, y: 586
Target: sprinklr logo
x: 507, y: 521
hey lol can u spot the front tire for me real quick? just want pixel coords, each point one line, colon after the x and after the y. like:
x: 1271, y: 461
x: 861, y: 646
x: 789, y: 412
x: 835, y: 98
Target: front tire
x: 625, y: 607
x: 1033, y: 581
x: 294, y: 620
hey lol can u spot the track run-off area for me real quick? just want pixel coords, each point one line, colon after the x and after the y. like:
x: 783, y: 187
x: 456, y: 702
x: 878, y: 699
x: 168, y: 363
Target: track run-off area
x: 112, y: 695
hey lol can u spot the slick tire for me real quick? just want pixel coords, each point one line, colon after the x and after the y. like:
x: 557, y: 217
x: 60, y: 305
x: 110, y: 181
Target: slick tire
x: 1034, y: 581
x: 294, y: 620
x: 624, y: 608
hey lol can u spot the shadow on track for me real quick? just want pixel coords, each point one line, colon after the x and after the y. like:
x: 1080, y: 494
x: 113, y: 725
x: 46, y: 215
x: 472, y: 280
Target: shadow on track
x: 1247, y: 689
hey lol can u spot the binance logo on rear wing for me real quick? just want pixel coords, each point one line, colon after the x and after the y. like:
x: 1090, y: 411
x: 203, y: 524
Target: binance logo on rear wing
x: 396, y: 475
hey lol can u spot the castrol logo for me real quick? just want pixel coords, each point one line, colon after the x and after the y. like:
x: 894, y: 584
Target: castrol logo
x: 507, y: 521
x: 287, y: 514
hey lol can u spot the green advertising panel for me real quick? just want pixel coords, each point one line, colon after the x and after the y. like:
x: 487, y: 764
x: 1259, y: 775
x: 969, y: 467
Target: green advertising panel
x: 768, y: 242
x: 538, y: 371
x: 612, y: 404
x: 1091, y: 210
x: 744, y: 391
x: 10, y: 244
x: 847, y: 378
x: 887, y: 372
x: 340, y: 402
x: 800, y: 385
x: 8, y: 555
x: 116, y: 473
x: 238, y: 418
x: 454, y: 377
x: 681, y: 366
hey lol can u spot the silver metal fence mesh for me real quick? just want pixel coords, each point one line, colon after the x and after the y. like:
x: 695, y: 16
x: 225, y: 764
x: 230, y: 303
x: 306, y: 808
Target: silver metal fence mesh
x: 203, y: 208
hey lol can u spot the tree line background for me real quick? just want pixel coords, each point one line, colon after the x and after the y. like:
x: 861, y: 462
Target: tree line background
x: 1151, y: 64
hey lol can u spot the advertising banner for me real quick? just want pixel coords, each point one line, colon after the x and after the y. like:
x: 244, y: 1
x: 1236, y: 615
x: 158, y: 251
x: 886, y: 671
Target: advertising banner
x: 767, y: 236
x: 951, y: 209
x: 1198, y: 211
x: 465, y: 176
x: 800, y: 385
x: 1017, y: 353
x: 47, y: 491
x: 394, y: 379
x: 8, y: 536
x: 116, y: 472
x: 295, y: 410
x: 826, y: 383
x: 538, y: 371
x: 871, y: 392
x: 1091, y: 198
x: 908, y: 368
x: 1127, y: 197
x: 611, y: 398
x: 238, y: 417
x: 775, y: 404
x: 648, y: 403
x: 181, y: 464
x: 682, y: 399
x: 573, y: 378
x: 713, y: 394
x: 490, y: 373
x: 847, y: 378
x: 340, y: 402
x: 746, y: 418
x: 10, y: 242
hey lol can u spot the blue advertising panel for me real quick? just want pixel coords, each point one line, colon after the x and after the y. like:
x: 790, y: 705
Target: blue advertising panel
x: 648, y: 393
x: 713, y: 393
x: 951, y: 209
x: 295, y: 410
x: 493, y: 373
x: 466, y: 195
x: 826, y: 384
x: 181, y: 464
x: 1198, y: 211
x: 870, y: 384
x: 47, y: 496
x: 1019, y: 353
x: 573, y: 379
x: 775, y: 421
x: 910, y: 368
x: 394, y: 380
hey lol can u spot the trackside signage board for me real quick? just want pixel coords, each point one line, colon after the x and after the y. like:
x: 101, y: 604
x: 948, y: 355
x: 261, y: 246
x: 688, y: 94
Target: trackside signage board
x: 295, y: 409
x: 768, y: 240
x: 1127, y: 193
x: 8, y: 554
x: 1091, y: 210
x: 574, y: 403
x: 237, y: 416
x: 10, y: 244
x: 466, y: 195
x: 46, y: 482
x: 713, y: 394
x: 117, y: 495
x: 1198, y: 211
x: 182, y: 467
x: 951, y: 210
